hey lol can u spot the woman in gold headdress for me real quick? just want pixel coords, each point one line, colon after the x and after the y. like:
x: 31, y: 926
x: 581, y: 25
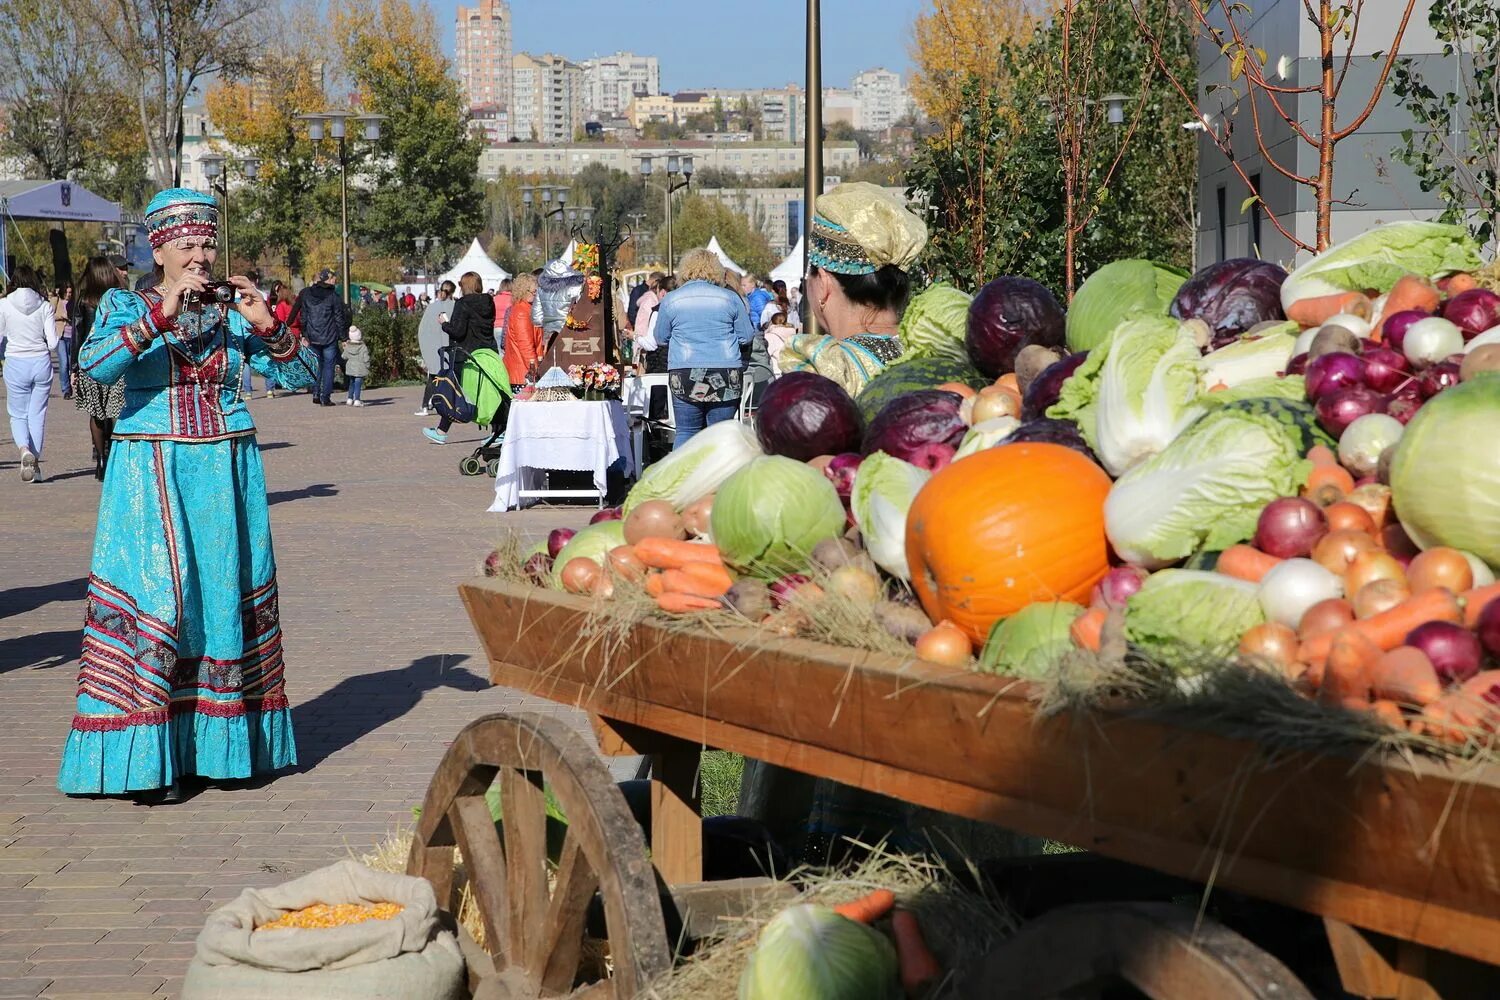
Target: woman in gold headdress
x: 863, y: 242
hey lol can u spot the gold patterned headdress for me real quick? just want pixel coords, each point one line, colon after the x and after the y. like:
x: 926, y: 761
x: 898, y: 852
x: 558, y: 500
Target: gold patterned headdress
x: 859, y: 228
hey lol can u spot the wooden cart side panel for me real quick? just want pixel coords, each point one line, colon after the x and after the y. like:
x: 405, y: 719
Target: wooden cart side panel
x: 1410, y: 853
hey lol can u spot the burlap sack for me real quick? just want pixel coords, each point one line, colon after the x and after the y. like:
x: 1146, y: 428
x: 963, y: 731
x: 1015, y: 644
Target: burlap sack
x: 408, y: 957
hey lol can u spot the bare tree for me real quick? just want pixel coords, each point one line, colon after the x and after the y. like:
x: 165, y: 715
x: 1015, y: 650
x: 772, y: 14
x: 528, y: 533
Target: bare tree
x: 162, y: 49
x: 1225, y: 24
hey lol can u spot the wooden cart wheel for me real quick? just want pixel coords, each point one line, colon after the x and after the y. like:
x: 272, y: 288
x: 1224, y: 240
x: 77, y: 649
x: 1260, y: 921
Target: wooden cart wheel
x: 535, y: 910
x: 1152, y: 946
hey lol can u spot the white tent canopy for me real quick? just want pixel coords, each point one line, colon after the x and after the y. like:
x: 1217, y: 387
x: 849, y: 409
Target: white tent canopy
x: 794, y: 268
x: 718, y: 251
x: 60, y: 201
x: 567, y: 257
x: 476, y: 260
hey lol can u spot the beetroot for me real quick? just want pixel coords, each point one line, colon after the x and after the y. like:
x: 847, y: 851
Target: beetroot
x: 907, y: 423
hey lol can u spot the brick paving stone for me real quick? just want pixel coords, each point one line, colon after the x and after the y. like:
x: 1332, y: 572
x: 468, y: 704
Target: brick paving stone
x: 374, y: 529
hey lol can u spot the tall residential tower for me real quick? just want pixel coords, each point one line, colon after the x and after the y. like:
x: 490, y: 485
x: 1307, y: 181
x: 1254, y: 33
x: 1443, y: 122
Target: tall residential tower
x: 482, y: 57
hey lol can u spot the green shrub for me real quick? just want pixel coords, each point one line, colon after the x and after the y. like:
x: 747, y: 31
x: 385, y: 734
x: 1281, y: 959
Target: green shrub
x: 395, y: 355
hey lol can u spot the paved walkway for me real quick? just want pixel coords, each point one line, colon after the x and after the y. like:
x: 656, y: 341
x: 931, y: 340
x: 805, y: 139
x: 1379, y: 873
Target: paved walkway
x: 373, y: 528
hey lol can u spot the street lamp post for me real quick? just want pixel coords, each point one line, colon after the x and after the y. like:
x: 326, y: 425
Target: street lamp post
x: 216, y: 169
x: 678, y: 165
x: 427, y: 248
x: 335, y: 122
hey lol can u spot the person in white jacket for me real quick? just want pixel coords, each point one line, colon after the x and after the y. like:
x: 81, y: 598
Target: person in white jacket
x: 29, y: 329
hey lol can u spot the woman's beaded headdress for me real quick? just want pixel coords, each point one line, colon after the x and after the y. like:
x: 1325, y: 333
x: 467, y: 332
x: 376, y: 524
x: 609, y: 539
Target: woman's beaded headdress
x: 179, y: 212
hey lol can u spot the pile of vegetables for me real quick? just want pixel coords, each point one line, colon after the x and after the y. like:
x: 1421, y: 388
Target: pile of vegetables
x: 1288, y: 472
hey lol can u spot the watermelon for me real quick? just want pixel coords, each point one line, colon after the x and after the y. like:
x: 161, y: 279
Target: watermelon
x: 909, y: 376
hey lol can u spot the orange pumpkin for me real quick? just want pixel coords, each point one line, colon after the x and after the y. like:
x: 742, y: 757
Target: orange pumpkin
x: 1004, y: 528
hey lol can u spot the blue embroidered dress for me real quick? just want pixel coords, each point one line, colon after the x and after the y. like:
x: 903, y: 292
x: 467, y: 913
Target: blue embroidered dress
x: 182, y: 668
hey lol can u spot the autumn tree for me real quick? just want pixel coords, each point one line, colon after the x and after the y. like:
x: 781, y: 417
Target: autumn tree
x: 1264, y: 87
x: 62, y: 115
x: 161, y: 50
x: 698, y: 220
x: 258, y: 116
x: 957, y: 41
x: 426, y: 163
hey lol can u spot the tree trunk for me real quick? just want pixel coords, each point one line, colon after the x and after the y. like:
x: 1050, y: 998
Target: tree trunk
x: 1323, y: 190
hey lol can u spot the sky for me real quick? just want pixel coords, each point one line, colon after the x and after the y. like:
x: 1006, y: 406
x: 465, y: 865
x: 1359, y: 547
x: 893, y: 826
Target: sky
x: 713, y: 43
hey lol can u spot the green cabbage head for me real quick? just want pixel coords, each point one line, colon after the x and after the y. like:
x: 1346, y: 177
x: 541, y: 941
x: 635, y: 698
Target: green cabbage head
x: 695, y: 470
x: 768, y: 516
x: 808, y: 952
x: 935, y: 323
x: 592, y: 542
x: 1117, y: 292
x: 1184, y: 618
x: 1030, y: 642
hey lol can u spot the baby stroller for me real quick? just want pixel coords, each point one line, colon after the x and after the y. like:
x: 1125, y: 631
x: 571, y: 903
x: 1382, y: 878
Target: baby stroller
x: 489, y: 406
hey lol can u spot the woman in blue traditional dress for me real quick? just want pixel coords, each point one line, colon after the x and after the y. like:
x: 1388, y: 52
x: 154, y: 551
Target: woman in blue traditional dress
x: 181, y: 671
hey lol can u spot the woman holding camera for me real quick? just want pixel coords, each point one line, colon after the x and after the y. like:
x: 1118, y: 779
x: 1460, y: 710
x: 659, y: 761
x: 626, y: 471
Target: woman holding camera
x: 181, y: 671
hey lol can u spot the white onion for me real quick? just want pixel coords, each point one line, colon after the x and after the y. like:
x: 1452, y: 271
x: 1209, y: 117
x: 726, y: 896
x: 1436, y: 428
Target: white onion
x: 1430, y: 340
x: 1490, y: 336
x: 1483, y: 575
x: 1357, y: 325
x: 1293, y: 586
x: 1363, y: 441
x: 1304, y: 341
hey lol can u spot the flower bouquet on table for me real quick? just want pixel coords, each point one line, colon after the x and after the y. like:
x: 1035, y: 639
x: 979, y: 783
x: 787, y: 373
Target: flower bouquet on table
x: 597, y: 381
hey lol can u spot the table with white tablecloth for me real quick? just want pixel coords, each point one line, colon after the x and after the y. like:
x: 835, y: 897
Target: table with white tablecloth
x: 575, y: 436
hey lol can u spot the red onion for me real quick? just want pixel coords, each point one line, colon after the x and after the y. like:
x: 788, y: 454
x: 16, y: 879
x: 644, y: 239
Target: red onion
x: 557, y: 539
x: 538, y: 569
x: 1489, y: 627
x: 607, y: 514
x: 1404, y: 403
x: 1117, y: 587
x: 1289, y: 528
x: 932, y: 456
x: 1385, y: 369
x: 492, y: 563
x: 1473, y: 312
x: 840, y: 471
x: 783, y: 589
x: 1398, y: 544
x: 1329, y: 373
x: 1443, y: 375
x: 1454, y: 650
x: 1337, y: 410
x: 1393, y: 329
x: 1297, y: 365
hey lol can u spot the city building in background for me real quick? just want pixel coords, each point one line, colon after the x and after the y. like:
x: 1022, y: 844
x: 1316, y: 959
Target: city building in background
x: 547, y: 98
x: 783, y: 114
x: 776, y: 212
x: 881, y: 99
x: 611, y: 82
x: 482, y: 56
x: 840, y: 106
x: 753, y: 159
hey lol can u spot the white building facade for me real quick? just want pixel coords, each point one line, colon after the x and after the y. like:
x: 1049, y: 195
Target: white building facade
x: 548, y: 98
x: 611, y: 82
x: 750, y: 158
x: 881, y: 99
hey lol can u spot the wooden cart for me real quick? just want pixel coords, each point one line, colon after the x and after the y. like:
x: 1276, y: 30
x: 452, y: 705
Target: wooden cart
x: 1401, y: 860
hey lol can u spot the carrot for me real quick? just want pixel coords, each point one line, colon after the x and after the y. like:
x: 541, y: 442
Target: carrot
x: 1475, y: 601
x: 1321, y: 454
x: 679, y: 604
x: 1389, y: 628
x: 712, y: 573
x: 1390, y: 713
x: 1328, y: 484
x: 1459, y: 714
x: 1245, y: 562
x: 669, y: 553
x: 655, y: 585
x: 1459, y: 283
x: 680, y: 581
x: 1087, y: 629
x: 1409, y: 292
x: 916, y: 962
x: 1319, y: 309
x: 1349, y: 670
x: 868, y: 908
x: 1405, y: 675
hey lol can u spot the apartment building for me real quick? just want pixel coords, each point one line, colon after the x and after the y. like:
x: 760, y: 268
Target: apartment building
x: 482, y: 56
x: 547, y: 98
x: 611, y: 82
x: 673, y: 109
x: 881, y: 99
x: 783, y: 114
x: 749, y: 158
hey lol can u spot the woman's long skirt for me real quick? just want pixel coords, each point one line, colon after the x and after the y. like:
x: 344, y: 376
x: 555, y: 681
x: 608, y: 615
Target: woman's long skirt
x: 182, y: 668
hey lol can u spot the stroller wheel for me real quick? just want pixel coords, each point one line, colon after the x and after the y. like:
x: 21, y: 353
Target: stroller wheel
x: 470, y: 466
x: 492, y: 468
